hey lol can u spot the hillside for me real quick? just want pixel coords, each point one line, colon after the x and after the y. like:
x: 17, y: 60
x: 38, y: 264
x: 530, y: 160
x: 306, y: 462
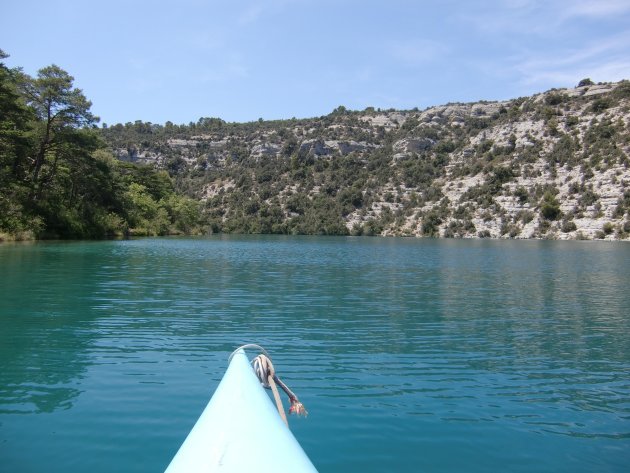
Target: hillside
x: 554, y: 165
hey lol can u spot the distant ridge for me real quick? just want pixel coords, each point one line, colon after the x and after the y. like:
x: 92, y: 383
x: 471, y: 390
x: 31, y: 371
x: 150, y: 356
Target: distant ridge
x: 554, y: 165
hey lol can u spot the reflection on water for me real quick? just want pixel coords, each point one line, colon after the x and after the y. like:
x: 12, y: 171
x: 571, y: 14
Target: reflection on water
x: 43, y: 349
x: 430, y: 355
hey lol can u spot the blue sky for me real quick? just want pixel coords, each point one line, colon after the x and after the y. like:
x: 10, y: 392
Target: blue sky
x: 244, y: 59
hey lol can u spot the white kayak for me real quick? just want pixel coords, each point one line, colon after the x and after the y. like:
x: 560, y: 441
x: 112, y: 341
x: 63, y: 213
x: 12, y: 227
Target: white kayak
x: 240, y: 430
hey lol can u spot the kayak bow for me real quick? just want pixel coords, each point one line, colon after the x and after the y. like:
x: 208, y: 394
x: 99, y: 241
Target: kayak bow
x: 240, y: 430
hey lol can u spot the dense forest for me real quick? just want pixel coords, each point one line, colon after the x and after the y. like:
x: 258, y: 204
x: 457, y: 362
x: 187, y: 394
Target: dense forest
x: 58, y: 178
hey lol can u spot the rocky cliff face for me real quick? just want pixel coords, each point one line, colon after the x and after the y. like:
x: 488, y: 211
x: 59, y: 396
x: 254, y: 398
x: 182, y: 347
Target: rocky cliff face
x: 555, y: 165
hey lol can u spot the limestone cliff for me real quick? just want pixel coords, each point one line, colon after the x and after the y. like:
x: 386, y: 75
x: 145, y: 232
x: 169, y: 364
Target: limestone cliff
x: 555, y: 165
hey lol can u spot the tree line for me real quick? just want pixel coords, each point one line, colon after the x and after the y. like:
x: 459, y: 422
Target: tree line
x: 57, y: 177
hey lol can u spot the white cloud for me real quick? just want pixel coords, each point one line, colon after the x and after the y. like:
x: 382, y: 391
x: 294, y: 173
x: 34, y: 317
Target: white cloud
x: 539, y: 44
x: 538, y: 17
x: 511, y: 17
x: 416, y: 52
x: 259, y: 8
x: 205, y: 40
x: 604, y: 60
x: 225, y: 69
x: 251, y: 14
x: 595, y: 9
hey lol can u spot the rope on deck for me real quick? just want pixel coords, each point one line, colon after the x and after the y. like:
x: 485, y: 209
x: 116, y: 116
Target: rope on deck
x: 266, y: 373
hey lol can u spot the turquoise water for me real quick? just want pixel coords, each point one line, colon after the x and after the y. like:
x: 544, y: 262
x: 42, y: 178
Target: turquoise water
x: 410, y: 355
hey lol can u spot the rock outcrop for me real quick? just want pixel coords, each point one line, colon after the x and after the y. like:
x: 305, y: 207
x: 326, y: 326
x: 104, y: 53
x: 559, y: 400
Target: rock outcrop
x: 554, y: 165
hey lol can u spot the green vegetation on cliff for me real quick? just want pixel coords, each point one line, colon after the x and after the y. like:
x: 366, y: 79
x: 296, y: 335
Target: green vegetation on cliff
x: 57, y: 179
x: 554, y: 165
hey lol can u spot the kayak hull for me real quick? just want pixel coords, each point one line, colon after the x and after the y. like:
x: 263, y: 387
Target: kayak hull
x: 240, y: 430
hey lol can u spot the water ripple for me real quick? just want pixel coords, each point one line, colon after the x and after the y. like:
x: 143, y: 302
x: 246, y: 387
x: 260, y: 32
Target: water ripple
x: 410, y: 355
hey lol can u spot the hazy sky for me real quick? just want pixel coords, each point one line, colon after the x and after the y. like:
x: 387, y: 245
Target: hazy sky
x: 239, y: 60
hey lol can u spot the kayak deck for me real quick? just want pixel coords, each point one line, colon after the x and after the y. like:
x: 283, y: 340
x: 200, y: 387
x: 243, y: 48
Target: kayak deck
x: 240, y: 430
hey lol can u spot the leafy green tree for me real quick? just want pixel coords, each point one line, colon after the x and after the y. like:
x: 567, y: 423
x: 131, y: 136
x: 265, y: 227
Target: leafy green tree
x: 58, y: 181
x: 431, y: 224
x: 61, y: 110
x: 139, y: 203
x: 184, y: 213
x: 550, y: 207
x: 14, y: 120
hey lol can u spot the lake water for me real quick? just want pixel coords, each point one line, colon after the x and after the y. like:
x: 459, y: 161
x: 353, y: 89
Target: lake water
x: 411, y: 355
